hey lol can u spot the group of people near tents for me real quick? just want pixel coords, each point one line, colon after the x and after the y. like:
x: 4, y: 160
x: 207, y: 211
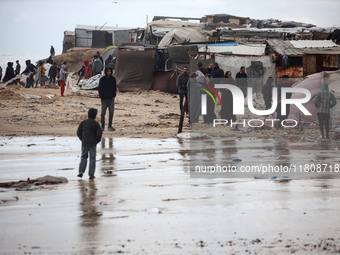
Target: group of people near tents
x: 202, y: 82
x: 96, y: 67
x: 192, y: 86
x: 10, y: 73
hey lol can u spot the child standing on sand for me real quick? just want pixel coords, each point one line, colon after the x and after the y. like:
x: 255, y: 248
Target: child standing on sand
x: 90, y: 133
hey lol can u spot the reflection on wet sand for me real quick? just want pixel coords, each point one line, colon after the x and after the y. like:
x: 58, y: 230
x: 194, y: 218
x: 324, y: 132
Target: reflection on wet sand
x: 90, y: 228
x: 107, y: 158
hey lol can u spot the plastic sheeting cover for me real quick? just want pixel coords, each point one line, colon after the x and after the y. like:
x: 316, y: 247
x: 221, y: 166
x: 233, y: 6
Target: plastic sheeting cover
x: 134, y: 69
x: 180, y: 35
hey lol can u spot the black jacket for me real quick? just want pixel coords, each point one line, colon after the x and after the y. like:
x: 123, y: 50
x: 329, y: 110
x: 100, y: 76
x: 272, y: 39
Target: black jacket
x: 107, y: 86
x: 30, y: 68
x: 9, y: 74
x: 53, y: 71
x: 89, y: 132
x: 218, y: 73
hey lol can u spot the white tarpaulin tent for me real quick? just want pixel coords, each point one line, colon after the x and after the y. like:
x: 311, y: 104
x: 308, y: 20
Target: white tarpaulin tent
x: 313, y: 84
x: 181, y: 35
x: 250, y: 50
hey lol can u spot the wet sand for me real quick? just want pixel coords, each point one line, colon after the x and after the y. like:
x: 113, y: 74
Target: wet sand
x: 154, y: 207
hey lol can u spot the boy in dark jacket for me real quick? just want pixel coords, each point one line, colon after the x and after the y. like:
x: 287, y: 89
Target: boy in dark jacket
x: 90, y: 133
x: 107, y: 92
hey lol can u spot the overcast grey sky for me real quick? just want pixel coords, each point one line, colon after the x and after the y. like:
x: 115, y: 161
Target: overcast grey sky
x: 32, y: 26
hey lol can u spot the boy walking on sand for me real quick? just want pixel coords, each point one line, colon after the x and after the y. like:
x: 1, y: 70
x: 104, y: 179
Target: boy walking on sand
x: 90, y: 133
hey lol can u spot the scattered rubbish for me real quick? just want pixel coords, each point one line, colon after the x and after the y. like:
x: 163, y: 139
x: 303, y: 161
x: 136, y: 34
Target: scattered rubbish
x: 111, y: 202
x: 170, y: 116
x: 245, y: 129
x: 32, y: 97
x: 50, y: 96
x: 256, y: 241
x: 237, y: 160
x: 26, y: 185
x: 283, y: 179
x: 155, y: 210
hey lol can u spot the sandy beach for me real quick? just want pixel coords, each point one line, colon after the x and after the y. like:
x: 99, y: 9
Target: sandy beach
x: 145, y: 114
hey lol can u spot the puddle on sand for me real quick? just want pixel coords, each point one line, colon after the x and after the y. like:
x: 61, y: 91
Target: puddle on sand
x: 212, y: 213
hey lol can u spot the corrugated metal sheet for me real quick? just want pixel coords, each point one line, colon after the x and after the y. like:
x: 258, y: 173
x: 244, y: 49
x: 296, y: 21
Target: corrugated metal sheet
x: 301, y: 44
x: 284, y: 47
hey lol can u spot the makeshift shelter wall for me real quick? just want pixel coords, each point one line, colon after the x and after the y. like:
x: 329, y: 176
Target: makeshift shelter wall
x: 166, y: 81
x: 83, y: 38
x: 179, y: 53
x: 134, y: 69
x: 256, y: 78
x: 120, y: 36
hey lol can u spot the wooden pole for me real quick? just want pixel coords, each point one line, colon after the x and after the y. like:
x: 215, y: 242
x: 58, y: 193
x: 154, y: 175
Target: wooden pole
x: 181, y: 120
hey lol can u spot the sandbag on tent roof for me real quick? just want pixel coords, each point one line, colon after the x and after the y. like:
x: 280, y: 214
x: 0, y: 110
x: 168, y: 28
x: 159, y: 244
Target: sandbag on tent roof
x: 135, y: 66
x: 313, y: 84
x: 182, y: 35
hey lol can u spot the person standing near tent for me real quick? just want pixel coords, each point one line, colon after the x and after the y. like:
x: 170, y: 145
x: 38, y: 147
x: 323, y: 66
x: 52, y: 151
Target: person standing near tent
x: 62, y: 78
x: 88, y: 70
x: 324, y: 100
x: 227, y: 109
x: 241, y: 80
x: 97, y: 65
x: 52, y: 51
x: 52, y: 73
x: 9, y: 74
x: 17, y: 68
x: 108, y: 61
x: 284, y: 84
x: 194, y: 94
x: 101, y: 59
x: 181, y: 83
x: 267, y: 92
x: 107, y: 90
x: 30, y: 71
x: 90, y: 135
x: 41, y: 70
x: 217, y: 71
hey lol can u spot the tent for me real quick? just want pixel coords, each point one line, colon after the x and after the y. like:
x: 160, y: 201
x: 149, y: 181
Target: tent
x: 109, y: 50
x: 313, y: 84
x: 182, y: 35
x: 135, y: 67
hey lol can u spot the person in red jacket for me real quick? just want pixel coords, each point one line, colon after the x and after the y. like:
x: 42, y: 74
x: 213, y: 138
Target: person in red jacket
x: 88, y: 69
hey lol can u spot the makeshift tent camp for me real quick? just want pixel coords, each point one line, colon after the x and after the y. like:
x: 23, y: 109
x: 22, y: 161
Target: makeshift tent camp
x: 313, y: 84
x: 135, y: 66
x: 182, y: 35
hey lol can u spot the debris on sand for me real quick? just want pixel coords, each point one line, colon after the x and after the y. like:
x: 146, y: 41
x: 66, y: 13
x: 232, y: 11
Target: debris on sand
x: 27, y: 185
